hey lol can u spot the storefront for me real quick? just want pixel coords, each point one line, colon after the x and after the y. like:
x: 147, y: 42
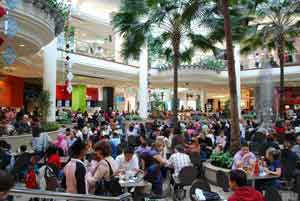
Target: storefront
x: 11, y: 91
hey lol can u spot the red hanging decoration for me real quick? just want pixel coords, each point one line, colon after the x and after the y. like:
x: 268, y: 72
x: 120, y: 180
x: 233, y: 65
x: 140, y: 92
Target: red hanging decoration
x: 1, y: 41
x: 2, y: 11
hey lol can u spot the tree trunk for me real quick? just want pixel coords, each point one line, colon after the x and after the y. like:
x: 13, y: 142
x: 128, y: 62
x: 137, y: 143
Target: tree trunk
x: 176, y: 60
x: 234, y: 114
x: 281, y: 64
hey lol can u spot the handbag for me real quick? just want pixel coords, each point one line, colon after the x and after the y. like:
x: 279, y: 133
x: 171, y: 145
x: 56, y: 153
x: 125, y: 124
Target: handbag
x: 109, y: 188
x: 51, y: 179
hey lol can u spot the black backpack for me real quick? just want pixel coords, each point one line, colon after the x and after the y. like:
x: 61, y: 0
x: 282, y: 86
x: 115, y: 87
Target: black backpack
x: 109, y: 188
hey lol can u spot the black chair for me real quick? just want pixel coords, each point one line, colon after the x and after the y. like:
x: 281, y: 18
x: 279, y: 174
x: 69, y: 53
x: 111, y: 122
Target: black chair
x: 185, y: 178
x: 272, y: 194
x: 199, y: 184
x: 222, y: 180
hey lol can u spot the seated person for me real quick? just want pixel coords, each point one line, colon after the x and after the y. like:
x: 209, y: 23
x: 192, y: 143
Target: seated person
x: 242, y: 192
x: 127, y: 161
x: 179, y: 160
x: 221, y: 140
x: 243, y: 159
x: 206, y: 146
x: 272, y: 166
x: 154, y: 176
x: 194, y: 147
x: 22, y: 162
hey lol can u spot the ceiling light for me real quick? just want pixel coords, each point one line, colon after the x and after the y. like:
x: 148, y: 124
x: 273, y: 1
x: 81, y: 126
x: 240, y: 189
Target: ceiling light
x: 22, y: 45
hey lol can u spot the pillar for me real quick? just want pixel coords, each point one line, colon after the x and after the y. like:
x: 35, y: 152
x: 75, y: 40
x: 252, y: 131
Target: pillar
x: 108, y: 98
x: 202, y: 100
x: 238, y: 76
x: 118, y: 40
x: 143, y: 84
x: 49, y: 76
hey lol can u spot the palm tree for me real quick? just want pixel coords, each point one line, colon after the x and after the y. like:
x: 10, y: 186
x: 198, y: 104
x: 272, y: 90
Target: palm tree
x: 235, y: 128
x: 231, y: 23
x: 275, y: 26
x: 174, y: 27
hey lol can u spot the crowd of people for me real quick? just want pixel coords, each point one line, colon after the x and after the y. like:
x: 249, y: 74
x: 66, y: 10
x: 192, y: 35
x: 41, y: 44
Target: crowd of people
x: 13, y: 122
x: 89, y: 157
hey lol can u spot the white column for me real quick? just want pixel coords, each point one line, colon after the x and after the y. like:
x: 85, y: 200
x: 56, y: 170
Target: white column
x: 202, y: 100
x: 238, y: 75
x: 49, y: 77
x: 118, y: 40
x: 143, y: 83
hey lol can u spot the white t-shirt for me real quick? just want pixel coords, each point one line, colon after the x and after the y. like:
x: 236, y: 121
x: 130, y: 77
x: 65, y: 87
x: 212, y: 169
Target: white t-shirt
x: 132, y: 165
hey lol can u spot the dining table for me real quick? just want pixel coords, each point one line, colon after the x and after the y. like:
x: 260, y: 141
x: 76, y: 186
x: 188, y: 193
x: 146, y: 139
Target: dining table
x: 132, y: 182
x: 254, y: 178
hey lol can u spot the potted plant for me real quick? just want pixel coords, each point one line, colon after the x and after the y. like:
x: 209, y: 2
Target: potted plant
x: 222, y: 160
x: 218, y: 162
x: 43, y: 102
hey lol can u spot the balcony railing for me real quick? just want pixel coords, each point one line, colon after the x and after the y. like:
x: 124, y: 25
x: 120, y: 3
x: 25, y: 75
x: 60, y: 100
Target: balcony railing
x: 26, y: 194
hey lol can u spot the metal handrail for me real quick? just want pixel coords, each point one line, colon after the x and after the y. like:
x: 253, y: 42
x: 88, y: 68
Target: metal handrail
x: 66, y: 196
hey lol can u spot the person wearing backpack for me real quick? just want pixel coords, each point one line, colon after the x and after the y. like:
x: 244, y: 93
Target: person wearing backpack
x: 103, y: 180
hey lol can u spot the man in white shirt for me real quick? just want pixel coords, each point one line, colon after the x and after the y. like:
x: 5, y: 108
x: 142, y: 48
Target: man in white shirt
x: 128, y: 161
x: 179, y: 160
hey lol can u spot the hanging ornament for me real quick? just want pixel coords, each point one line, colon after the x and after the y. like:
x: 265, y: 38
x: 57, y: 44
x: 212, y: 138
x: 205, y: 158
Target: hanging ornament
x: 2, y: 11
x: 11, y: 27
x: 70, y: 76
x: 10, y: 30
x: 1, y: 41
x: 9, y: 55
x: 12, y: 4
x: 67, y: 63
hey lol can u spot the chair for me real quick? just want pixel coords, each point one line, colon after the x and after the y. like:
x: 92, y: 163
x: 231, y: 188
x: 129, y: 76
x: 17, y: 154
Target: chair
x: 185, y: 178
x: 222, y: 180
x: 272, y: 194
x: 199, y: 184
x: 187, y: 175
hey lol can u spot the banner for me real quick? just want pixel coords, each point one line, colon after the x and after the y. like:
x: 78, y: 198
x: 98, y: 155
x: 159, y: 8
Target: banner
x: 79, y: 98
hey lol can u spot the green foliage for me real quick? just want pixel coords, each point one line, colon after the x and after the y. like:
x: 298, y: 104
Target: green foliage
x: 156, y: 22
x: 50, y: 126
x: 60, y: 7
x: 42, y: 102
x: 275, y: 21
x: 157, y: 104
x: 249, y: 116
x: 222, y: 160
x: 133, y: 117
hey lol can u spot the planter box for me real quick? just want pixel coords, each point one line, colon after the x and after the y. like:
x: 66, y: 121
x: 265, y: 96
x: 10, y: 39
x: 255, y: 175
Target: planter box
x: 210, y: 172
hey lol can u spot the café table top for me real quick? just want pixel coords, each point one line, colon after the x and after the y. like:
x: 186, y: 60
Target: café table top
x: 262, y: 177
x: 132, y: 183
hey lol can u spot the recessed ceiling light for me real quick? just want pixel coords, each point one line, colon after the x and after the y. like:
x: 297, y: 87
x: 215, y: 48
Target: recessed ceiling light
x: 22, y: 45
